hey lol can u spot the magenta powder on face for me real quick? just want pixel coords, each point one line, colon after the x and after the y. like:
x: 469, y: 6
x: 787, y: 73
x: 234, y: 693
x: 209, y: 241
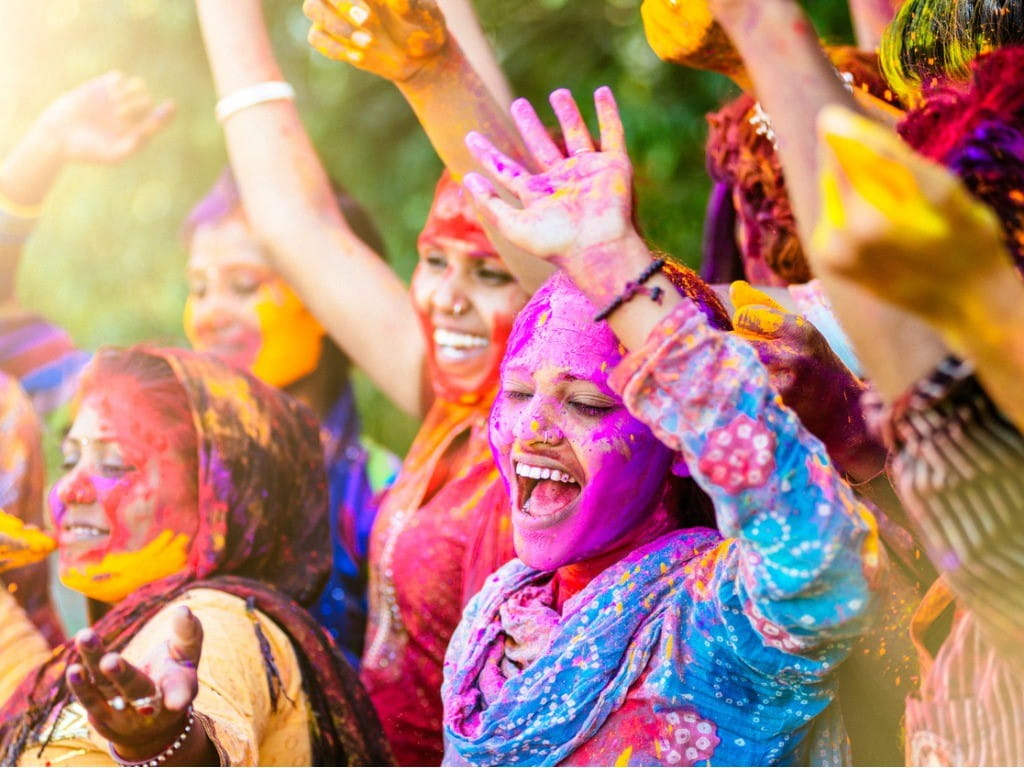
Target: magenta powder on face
x: 621, y: 466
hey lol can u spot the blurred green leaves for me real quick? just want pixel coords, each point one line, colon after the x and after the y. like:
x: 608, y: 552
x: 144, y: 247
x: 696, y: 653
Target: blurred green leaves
x: 106, y: 261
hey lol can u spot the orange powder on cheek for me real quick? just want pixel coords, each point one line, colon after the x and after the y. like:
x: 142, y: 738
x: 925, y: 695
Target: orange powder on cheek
x: 118, y: 575
x: 292, y: 337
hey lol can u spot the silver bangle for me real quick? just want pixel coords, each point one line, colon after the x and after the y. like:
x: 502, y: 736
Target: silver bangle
x: 160, y: 758
x: 251, y: 95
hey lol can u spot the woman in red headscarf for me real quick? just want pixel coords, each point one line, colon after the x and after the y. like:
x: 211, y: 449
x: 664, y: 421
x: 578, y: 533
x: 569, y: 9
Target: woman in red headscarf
x: 193, y: 496
x: 434, y: 349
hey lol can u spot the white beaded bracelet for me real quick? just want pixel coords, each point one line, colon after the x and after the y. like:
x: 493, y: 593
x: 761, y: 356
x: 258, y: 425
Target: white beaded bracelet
x: 160, y: 759
x: 251, y: 95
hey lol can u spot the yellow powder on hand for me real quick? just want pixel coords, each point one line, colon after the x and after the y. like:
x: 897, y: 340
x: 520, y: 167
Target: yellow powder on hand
x: 22, y: 544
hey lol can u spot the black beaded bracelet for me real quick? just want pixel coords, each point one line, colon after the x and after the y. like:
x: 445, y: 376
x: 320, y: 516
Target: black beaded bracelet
x: 633, y: 287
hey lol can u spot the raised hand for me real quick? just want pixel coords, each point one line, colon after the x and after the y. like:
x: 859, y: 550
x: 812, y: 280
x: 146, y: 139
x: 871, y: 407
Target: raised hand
x: 105, y: 120
x: 685, y: 32
x: 139, y: 710
x: 391, y: 38
x: 809, y: 377
x: 580, y: 199
x: 22, y: 544
x: 901, y: 226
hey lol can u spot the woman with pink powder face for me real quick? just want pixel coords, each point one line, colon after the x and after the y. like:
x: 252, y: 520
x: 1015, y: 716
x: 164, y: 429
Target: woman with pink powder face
x: 193, y: 499
x: 628, y: 632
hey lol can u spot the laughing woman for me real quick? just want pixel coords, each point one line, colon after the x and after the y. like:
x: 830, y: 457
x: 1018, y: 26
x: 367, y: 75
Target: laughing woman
x: 434, y: 348
x: 628, y: 631
x: 193, y: 500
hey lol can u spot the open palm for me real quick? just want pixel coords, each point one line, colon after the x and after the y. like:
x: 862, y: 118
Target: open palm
x: 106, y: 119
x: 580, y: 198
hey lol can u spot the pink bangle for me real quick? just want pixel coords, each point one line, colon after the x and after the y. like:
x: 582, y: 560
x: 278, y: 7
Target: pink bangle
x: 160, y: 758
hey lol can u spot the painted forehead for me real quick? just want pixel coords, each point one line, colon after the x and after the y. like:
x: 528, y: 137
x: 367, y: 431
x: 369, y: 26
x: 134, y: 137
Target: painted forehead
x: 125, y: 414
x: 556, y: 328
x: 452, y: 216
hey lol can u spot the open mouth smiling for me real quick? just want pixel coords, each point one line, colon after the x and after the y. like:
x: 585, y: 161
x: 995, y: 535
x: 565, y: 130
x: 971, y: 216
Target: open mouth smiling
x: 74, y: 531
x: 545, y: 493
x: 455, y: 345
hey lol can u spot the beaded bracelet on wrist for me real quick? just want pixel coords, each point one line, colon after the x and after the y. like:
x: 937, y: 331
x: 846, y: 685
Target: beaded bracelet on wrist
x: 633, y: 288
x: 161, y: 757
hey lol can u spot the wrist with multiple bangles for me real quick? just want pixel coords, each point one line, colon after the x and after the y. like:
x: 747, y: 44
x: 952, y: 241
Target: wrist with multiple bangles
x: 634, y: 288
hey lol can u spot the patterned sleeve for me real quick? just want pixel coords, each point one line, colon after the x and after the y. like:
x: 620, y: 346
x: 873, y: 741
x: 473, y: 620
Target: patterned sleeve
x: 804, y: 557
x: 958, y: 466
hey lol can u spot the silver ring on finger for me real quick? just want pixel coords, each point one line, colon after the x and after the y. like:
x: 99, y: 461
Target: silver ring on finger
x: 148, y: 706
x: 117, y: 703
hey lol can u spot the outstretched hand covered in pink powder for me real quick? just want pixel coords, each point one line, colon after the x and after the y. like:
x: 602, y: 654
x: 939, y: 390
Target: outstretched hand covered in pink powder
x: 579, y: 202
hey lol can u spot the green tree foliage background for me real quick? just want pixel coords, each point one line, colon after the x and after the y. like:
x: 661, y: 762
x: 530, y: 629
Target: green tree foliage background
x: 106, y: 261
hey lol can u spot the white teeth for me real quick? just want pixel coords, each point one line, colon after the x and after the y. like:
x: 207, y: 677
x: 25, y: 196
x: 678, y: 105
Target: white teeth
x: 543, y: 473
x: 446, y: 338
x: 79, y: 529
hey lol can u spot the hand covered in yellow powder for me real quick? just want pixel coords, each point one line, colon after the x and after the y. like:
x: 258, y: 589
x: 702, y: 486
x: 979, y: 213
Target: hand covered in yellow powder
x: 22, y: 544
x: 105, y: 119
x: 685, y: 32
x: 809, y: 377
x: 391, y: 38
x: 901, y: 226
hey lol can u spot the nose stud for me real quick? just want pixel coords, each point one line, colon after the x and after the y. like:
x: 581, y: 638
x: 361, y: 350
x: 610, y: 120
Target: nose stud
x: 459, y: 307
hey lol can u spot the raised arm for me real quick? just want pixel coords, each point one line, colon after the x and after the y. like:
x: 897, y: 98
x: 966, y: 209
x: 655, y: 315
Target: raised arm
x: 408, y: 43
x: 794, y: 81
x: 103, y: 121
x: 908, y: 230
x: 870, y: 18
x: 464, y: 26
x: 808, y: 552
x: 288, y: 201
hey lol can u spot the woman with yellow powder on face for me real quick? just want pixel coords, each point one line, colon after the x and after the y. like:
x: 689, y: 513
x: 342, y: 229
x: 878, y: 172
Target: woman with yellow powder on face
x: 443, y: 527
x: 193, y: 510
x: 241, y: 311
x: 102, y: 121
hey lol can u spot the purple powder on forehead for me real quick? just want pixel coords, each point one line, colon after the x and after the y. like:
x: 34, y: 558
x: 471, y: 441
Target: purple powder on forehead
x: 215, y: 205
x: 559, y: 303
